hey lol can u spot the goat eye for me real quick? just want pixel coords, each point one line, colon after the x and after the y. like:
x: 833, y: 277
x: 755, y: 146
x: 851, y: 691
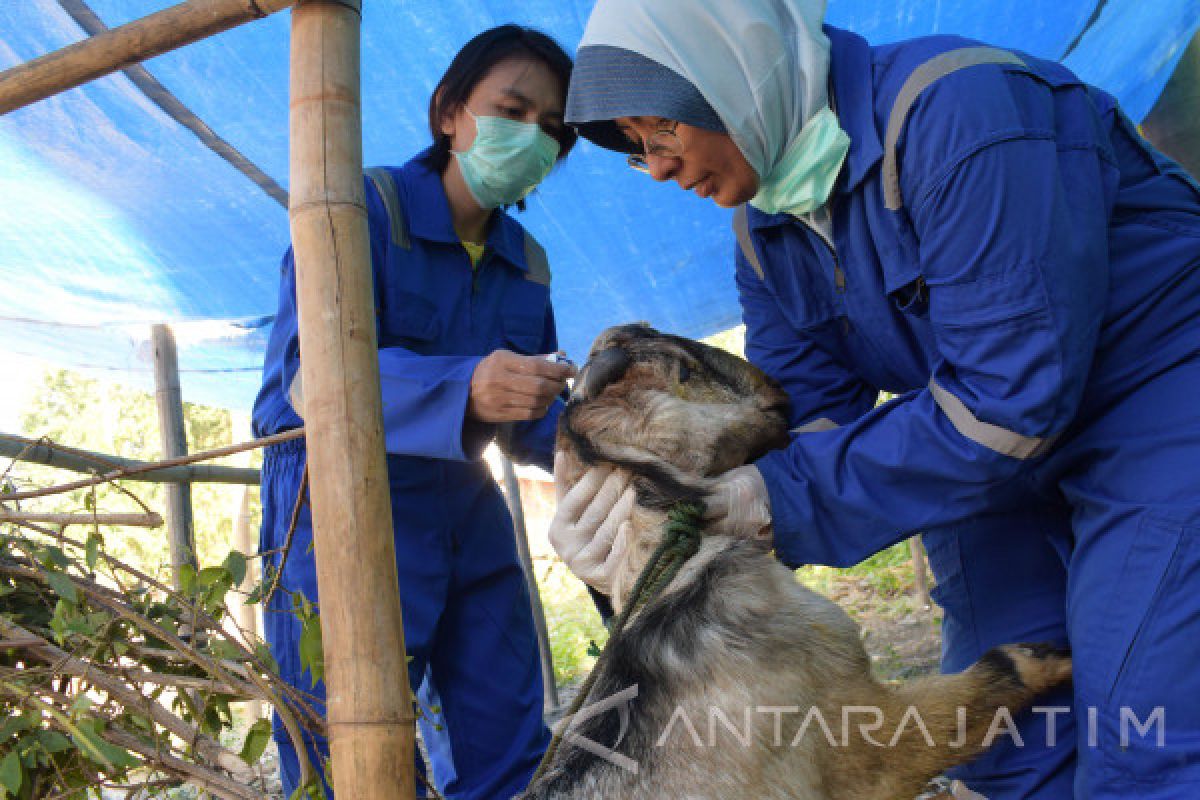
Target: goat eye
x: 684, y: 373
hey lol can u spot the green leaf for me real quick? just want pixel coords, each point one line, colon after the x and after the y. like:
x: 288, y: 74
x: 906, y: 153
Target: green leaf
x: 11, y: 773
x: 312, y: 656
x: 94, y: 543
x: 53, y: 741
x: 257, y: 739
x: 15, y: 724
x: 225, y: 650
x: 52, y: 556
x: 301, y: 605
x: 62, y: 586
x: 211, y: 576
x: 86, y: 733
x: 263, y: 652
x: 89, y: 501
x: 187, y: 579
x: 235, y: 562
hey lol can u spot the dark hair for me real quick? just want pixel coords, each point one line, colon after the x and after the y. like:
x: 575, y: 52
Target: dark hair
x: 474, y: 61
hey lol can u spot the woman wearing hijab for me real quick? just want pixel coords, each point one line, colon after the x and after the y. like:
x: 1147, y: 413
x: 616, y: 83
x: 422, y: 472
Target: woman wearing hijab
x: 981, y: 234
x: 464, y: 323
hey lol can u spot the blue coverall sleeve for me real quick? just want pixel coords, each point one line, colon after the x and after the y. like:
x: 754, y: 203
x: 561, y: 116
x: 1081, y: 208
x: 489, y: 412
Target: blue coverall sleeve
x: 425, y: 406
x: 533, y: 442
x: 1012, y: 233
x: 819, y: 387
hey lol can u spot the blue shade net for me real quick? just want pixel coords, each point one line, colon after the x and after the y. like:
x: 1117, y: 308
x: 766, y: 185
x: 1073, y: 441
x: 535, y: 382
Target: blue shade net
x: 115, y: 216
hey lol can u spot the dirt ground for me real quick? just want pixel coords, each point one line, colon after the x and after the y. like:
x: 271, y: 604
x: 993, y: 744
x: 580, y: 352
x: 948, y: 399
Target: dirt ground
x: 899, y: 631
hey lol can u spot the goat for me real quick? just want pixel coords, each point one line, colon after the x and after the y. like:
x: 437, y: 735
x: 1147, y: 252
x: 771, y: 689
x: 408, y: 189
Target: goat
x: 737, y: 681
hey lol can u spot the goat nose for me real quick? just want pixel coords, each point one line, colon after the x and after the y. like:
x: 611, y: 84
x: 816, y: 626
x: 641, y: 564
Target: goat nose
x: 601, y: 370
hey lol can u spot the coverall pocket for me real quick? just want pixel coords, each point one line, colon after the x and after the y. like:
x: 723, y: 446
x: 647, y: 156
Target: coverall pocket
x: 1140, y: 585
x: 1152, y: 647
x: 409, y: 321
x: 912, y: 298
x: 523, y: 333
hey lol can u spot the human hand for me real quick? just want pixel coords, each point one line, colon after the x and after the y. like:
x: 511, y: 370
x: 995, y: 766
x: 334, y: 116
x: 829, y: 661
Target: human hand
x: 591, y: 526
x: 738, y: 505
x: 508, y: 387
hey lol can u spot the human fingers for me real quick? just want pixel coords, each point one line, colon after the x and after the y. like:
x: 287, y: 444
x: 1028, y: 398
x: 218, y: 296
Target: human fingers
x: 616, y: 554
x: 597, y: 551
x: 604, y: 501
x: 572, y: 504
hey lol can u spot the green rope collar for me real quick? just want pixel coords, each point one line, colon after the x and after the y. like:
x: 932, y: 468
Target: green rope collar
x: 682, y: 534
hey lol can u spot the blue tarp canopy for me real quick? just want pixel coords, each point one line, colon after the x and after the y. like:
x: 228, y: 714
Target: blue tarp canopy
x: 114, y: 216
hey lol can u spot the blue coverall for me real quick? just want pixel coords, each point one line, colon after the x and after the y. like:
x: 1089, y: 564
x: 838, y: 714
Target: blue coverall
x: 1034, y: 306
x: 468, y: 627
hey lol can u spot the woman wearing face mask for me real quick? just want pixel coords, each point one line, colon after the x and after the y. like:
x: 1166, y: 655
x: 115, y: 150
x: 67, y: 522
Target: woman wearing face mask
x: 986, y: 237
x: 464, y: 323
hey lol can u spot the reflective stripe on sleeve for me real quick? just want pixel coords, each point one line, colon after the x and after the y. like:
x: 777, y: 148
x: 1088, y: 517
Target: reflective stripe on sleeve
x: 816, y: 426
x: 991, y: 436
x: 296, y: 395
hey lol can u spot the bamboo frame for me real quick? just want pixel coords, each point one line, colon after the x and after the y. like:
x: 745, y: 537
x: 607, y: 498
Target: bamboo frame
x: 52, y: 454
x: 131, y: 520
x: 172, y: 431
x: 369, y: 711
x: 131, y: 43
x: 159, y: 467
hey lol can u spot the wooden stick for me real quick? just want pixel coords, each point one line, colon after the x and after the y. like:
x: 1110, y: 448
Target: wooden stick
x: 369, y: 710
x: 123, y: 473
x: 128, y: 520
x: 200, y: 777
x: 52, y: 454
x: 131, y: 43
x: 65, y: 663
x: 920, y: 573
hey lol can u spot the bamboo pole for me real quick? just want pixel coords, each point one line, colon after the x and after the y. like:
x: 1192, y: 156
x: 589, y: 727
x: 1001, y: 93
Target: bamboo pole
x: 173, y: 433
x: 512, y: 492
x: 128, y: 44
x: 59, y: 456
x: 131, y: 520
x: 158, y: 467
x: 369, y: 711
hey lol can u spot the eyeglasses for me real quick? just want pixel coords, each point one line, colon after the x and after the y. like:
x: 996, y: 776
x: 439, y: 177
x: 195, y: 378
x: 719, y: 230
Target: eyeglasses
x: 663, y: 143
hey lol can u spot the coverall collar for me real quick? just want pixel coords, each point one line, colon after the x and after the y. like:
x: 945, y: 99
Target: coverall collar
x: 852, y: 76
x: 430, y: 218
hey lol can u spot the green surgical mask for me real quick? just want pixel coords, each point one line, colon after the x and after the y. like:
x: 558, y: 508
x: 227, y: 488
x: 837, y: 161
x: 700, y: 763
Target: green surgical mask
x: 507, y: 160
x: 803, y: 179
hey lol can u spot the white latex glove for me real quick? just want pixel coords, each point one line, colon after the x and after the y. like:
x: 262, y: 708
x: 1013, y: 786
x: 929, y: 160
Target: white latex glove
x: 591, y: 525
x: 738, y: 505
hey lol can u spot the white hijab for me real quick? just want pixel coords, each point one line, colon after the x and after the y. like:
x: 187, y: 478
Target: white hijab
x: 762, y: 65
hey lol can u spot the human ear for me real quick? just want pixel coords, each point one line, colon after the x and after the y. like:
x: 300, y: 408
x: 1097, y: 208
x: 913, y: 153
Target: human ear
x: 446, y: 118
